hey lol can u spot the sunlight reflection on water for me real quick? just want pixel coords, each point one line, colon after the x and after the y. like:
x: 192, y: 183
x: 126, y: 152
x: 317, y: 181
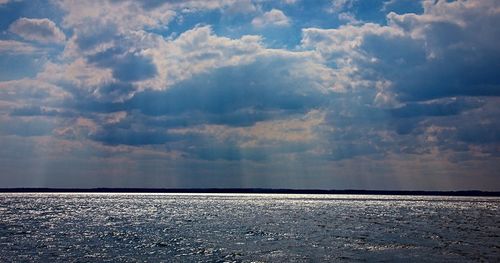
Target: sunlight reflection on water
x: 247, y: 227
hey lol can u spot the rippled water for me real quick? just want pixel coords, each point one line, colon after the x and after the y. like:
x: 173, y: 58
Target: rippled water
x: 247, y: 228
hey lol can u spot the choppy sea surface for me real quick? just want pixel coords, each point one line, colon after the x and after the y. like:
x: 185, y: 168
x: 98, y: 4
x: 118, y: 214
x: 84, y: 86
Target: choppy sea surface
x: 247, y: 228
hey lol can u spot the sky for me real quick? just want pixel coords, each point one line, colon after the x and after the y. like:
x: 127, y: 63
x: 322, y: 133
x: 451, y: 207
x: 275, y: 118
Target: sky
x: 333, y: 94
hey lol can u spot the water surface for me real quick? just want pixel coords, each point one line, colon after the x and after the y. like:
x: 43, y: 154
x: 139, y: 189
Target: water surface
x: 247, y: 228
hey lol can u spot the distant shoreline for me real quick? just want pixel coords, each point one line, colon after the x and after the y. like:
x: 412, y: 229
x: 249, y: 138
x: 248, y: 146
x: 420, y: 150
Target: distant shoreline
x: 249, y: 191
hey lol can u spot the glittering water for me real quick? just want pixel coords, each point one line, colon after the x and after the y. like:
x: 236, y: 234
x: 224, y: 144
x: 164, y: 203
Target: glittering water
x: 247, y: 228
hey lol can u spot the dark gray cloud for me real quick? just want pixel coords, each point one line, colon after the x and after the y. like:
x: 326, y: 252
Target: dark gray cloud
x: 461, y: 58
x: 239, y: 118
x: 444, y: 107
x: 455, y: 71
x: 28, y: 111
x: 117, y: 136
x: 257, y: 86
x: 126, y: 67
x: 446, y: 51
x: 343, y: 150
x: 90, y: 36
x: 480, y: 133
x: 230, y: 96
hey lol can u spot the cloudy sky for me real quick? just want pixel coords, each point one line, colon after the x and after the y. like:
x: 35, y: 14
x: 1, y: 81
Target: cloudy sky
x: 334, y: 94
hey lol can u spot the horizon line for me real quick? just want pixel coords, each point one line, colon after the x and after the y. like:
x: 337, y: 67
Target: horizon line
x: 248, y: 190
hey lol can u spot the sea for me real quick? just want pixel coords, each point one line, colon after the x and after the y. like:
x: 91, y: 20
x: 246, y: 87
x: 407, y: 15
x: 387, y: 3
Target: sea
x: 99, y: 227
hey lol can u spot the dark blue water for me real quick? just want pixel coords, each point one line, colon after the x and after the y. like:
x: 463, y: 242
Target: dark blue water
x: 247, y: 228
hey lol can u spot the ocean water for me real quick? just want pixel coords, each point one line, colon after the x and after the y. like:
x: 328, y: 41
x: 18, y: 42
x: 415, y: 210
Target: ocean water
x: 247, y: 228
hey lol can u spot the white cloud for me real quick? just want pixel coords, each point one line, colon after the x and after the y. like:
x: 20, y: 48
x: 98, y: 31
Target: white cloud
x: 24, y: 92
x: 274, y: 17
x: 413, y: 46
x: 340, y: 5
x: 343, y: 40
x: 126, y: 15
x: 78, y: 74
x: 342, y: 47
x: 243, y: 6
x: 349, y: 18
x: 41, y: 30
x: 196, y: 51
x: 16, y: 47
x: 264, y: 133
x: 197, y: 5
x: 453, y: 25
x: 199, y: 50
